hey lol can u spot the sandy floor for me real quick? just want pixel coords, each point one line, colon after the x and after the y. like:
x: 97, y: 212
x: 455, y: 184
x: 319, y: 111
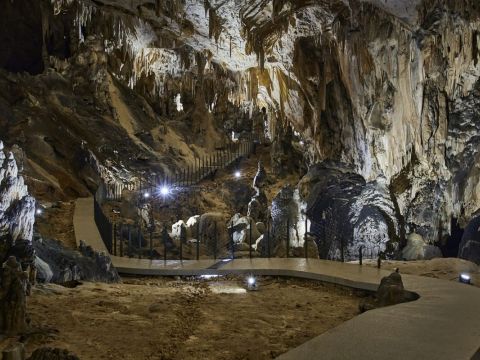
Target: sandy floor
x: 169, y: 319
x: 442, y: 268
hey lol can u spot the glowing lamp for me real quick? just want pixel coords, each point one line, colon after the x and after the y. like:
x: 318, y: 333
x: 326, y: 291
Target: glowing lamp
x: 464, y: 278
x: 238, y: 174
x: 252, y: 283
x: 164, y: 190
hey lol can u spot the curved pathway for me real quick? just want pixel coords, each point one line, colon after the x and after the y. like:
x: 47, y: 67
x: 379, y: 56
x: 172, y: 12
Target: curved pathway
x: 443, y: 324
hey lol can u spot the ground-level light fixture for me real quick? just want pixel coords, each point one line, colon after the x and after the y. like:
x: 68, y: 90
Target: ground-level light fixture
x: 238, y: 174
x: 252, y: 283
x: 39, y: 211
x: 464, y: 278
x: 146, y: 195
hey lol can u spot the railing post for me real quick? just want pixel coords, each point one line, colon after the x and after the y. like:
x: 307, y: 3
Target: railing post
x: 268, y: 236
x: 198, y: 239
x: 360, y: 255
x: 215, y: 241
x: 114, y: 239
x: 151, y: 243
x: 231, y: 241
x: 139, y: 238
x: 250, y: 240
x: 121, y: 240
x: 305, y: 239
x: 129, y: 240
x: 164, y: 236
x: 288, y: 237
x: 181, y: 246
x: 342, y: 256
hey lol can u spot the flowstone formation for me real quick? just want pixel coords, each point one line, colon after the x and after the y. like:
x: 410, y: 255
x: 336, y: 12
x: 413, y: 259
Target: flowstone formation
x: 347, y: 213
x: 389, y: 88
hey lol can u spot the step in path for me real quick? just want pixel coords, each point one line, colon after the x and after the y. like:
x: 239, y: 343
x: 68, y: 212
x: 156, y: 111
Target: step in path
x: 444, y: 323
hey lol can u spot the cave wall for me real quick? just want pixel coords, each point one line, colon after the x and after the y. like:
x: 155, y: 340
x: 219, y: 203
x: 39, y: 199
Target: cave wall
x: 391, y: 96
x: 390, y: 91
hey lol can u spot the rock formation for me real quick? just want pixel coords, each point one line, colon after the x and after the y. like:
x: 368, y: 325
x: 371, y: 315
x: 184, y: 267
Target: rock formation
x: 390, y: 292
x: 389, y: 88
x: 13, y: 293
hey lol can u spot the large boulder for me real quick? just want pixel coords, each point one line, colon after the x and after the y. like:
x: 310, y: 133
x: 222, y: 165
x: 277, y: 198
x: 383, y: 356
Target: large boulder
x: 390, y: 292
x: 44, y: 273
x: 192, y: 224
x: 469, y: 248
x: 417, y: 249
x: 240, y: 228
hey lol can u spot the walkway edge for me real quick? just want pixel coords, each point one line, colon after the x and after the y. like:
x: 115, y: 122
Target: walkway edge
x: 444, y: 324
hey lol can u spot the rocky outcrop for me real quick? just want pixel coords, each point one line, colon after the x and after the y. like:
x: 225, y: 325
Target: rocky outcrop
x: 389, y: 88
x: 417, y: 249
x: 17, y: 207
x: 469, y: 248
x: 347, y: 213
x: 390, y: 292
x: 61, y: 265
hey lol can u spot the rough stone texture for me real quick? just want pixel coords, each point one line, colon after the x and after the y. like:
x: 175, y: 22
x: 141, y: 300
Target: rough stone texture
x: 13, y: 292
x: 390, y: 292
x: 240, y: 228
x: 47, y: 353
x: 346, y: 212
x: 284, y: 215
x: 67, y: 265
x: 417, y: 249
x: 213, y: 233
x: 388, y: 87
x: 470, y: 244
x: 17, y: 207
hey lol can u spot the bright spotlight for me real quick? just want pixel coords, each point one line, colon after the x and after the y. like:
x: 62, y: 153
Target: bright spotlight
x: 39, y: 211
x: 464, y: 278
x: 238, y: 174
x: 252, y: 283
x: 146, y: 195
x: 164, y: 190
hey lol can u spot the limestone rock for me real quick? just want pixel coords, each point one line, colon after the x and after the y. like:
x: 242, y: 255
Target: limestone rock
x: 67, y: 265
x: 44, y: 273
x: 17, y: 208
x: 417, y: 249
x: 390, y: 292
x: 13, y: 307
x: 346, y: 212
x: 469, y: 248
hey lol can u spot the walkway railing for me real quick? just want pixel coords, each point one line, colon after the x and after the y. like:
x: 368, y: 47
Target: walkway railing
x: 201, y: 169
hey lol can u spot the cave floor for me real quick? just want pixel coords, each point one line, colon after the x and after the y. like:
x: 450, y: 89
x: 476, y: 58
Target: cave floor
x: 160, y: 318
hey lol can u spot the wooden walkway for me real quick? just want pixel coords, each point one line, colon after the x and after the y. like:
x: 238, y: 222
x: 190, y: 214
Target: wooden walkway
x: 444, y: 324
